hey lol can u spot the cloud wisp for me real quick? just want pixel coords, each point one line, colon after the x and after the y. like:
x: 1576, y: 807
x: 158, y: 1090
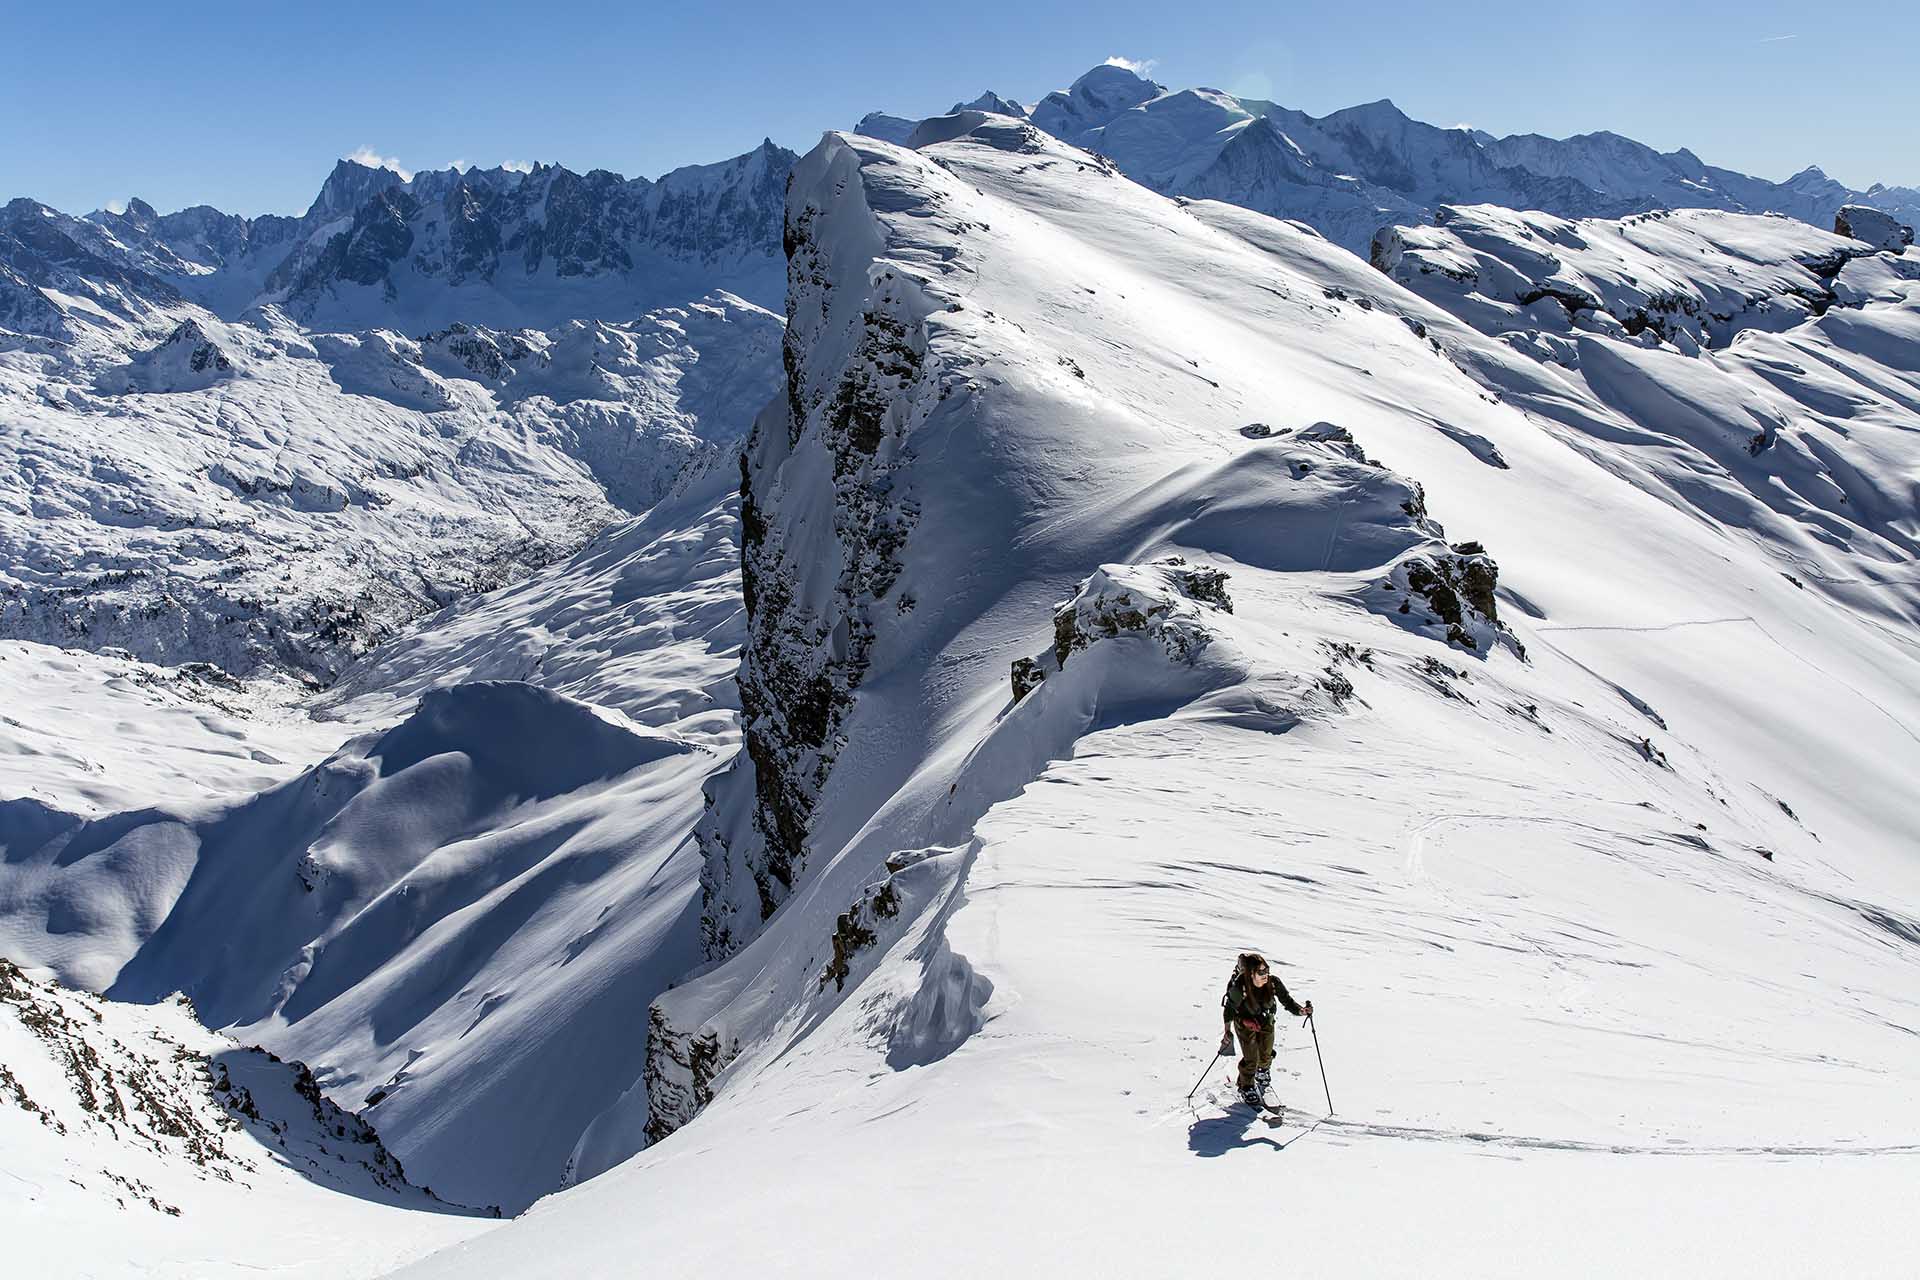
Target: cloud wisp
x: 374, y: 160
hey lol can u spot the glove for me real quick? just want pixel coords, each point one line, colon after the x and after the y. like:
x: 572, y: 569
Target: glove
x: 1306, y: 1010
x: 1226, y: 1045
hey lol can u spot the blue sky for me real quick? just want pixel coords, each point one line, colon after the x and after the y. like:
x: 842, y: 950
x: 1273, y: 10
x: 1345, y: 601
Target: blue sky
x: 246, y: 106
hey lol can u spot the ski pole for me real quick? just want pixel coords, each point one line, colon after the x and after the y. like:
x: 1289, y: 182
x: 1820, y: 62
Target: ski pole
x: 1322, y: 1061
x: 1203, y: 1075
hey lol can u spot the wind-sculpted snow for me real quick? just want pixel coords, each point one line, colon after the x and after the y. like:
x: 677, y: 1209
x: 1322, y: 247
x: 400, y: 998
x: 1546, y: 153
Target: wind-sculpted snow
x: 1352, y: 172
x: 1761, y: 372
x: 261, y: 498
x: 1692, y: 277
x: 1621, y: 890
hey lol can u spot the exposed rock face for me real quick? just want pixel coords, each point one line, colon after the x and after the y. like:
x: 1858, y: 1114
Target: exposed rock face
x: 1881, y: 230
x: 817, y: 573
x: 1452, y: 594
x: 853, y: 931
x: 679, y: 1074
x: 1027, y: 676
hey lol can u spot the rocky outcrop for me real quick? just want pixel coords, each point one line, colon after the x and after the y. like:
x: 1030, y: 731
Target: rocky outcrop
x: 148, y: 1089
x: 486, y: 354
x: 679, y: 1074
x: 1451, y: 594
x: 1882, y: 230
x: 1167, y: 601
x: 855, y: 930
x: 189, y: 359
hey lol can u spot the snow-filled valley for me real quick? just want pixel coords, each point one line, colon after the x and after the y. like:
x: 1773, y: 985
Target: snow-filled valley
x: 778, y: 774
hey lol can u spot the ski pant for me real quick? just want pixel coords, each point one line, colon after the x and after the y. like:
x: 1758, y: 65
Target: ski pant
x: 1256, y: 1051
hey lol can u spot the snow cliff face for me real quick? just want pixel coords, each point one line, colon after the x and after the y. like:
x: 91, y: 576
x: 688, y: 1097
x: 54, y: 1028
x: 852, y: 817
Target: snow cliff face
x: 1352, y: 172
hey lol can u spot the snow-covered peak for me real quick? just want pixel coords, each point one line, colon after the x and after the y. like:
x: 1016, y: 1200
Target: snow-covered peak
x: 1093, y: 100
x: 189, y: 359
x: 349, y: 186
x: 1353, y: 171
x: 990, y: 102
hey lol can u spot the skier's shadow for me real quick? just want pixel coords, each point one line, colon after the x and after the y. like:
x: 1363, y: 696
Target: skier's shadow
x: 1216, y: 1135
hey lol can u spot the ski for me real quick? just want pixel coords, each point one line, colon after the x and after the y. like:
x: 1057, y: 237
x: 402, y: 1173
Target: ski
x: 1263, y: 1108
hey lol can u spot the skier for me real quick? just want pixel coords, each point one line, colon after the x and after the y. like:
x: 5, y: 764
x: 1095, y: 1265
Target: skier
x: 1248, y: 1008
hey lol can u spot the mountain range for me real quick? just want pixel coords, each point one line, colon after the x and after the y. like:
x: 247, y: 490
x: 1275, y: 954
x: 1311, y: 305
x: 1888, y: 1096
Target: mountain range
x: 1349, y: 173
x: 744, y: 720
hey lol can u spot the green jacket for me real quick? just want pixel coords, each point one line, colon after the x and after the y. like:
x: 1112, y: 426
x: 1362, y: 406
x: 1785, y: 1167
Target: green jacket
x: 1245, y: 1002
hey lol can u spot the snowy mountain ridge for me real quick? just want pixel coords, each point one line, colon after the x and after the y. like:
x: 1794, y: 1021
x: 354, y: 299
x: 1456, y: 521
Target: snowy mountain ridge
x: 1101, y: 619
x: 1349, y: 173
x: 511, y: 236
x: 294, y: 435
x: 852, y: 817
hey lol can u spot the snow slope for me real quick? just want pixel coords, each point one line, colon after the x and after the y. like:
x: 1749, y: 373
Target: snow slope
x: 459, y: 917
x: 1590, y: 838
x: 1517, y: 641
